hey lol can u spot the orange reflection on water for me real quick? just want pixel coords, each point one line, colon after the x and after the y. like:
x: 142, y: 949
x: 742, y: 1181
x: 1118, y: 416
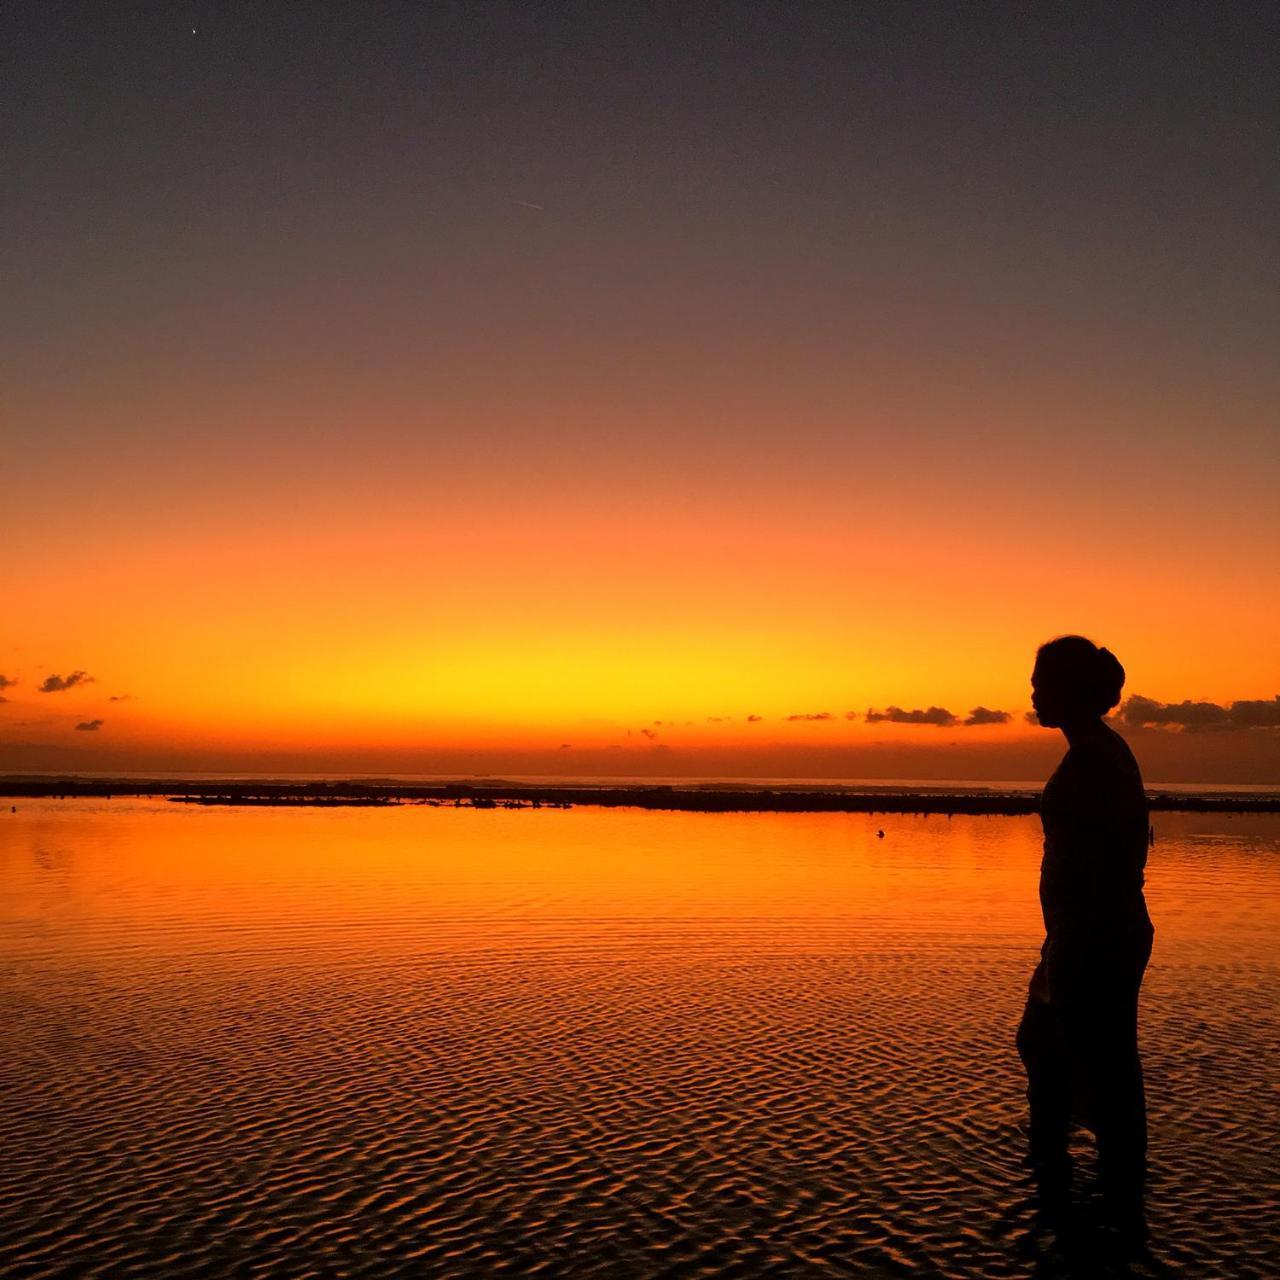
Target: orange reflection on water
x: 158, y: 876
x: 140, y: 875
x: 459, y: 1033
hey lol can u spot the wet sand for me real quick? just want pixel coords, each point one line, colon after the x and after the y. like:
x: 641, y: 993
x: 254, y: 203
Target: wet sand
x: 599, y: 1042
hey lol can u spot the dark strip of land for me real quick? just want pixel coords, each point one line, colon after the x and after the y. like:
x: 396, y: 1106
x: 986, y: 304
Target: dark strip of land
x: 513, y: 795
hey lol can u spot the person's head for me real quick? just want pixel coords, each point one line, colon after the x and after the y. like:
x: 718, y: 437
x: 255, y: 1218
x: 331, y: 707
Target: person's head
x: 1074, y: 682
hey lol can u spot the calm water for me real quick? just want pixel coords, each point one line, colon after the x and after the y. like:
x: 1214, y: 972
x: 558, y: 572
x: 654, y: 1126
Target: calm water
x: 589, y: 1042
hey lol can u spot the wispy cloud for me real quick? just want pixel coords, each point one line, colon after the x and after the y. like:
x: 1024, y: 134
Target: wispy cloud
x: 90, y: 726
x: 940, y: 717
x: 120, y: 697
x: 753, y: 719
x: 812, y: 715
x: 57, y: 684
x: 6, y: 682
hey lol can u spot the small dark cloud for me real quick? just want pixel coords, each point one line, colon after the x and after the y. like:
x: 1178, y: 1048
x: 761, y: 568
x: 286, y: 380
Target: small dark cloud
x: 120, y: 697
x: 812, y: 715
x: 649, y: 733
x: 3, y: 698
x: 1256, y: 713
x: 718, y: 719
x: 754, y: 719
x: 937, y: 716
x: 7, y: 682
x: 984, y: 715
x: 1200, y: 717
x: 1030, y: 717
x: 57, y: 684
x: 850, y: 715
x: 1140, y: 713
x: 90, y: 726
x: 564, y: 746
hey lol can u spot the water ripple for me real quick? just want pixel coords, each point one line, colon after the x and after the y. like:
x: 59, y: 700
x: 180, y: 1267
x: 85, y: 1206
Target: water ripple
x: 574, y: 1093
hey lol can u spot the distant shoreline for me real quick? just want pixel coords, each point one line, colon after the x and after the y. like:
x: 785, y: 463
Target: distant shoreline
x: 692, y: 798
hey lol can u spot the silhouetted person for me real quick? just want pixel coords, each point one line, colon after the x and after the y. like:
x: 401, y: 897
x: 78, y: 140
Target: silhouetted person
x: 1078, y: 1038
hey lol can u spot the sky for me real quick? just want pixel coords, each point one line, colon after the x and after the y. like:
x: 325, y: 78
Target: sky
x: 634, y: 389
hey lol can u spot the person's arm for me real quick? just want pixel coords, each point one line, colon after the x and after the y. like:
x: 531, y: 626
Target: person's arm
x: 1085, y: 803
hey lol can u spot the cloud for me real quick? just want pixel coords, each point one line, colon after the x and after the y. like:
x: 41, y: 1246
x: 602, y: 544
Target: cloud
x: 3, y: 698
x: 6, y: 682
x: 938, y: 716
x: 850, y: 715
x: 983, y: 715
x: 1141, y: 712
x: 564, y: 746
x: 56, y: 684
x: 1256, y: 713
x: 649, y: 733
x: 121, y: 697
x: 1199, y: 717
x: 90, y: 726
x: 1030, y: 717
x: 754, y: 719
x: 812, y: 715
x: 718, y: 719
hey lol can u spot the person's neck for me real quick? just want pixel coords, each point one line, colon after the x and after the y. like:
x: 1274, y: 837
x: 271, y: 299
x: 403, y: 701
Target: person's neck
x: 1083, y: 730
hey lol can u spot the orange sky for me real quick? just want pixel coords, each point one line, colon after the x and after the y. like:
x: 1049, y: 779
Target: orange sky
x: 330, y: 453
x: 411, y: 631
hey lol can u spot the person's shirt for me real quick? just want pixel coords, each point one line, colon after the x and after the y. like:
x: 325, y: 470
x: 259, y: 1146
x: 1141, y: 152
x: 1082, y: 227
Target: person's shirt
x: 1094, y: 811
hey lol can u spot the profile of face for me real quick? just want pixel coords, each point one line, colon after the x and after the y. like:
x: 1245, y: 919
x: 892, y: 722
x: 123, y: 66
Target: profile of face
x: 1053, y: 699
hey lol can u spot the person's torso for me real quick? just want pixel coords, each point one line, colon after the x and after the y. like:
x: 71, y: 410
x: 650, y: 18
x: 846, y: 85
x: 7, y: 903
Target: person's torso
x: 1095, y: 818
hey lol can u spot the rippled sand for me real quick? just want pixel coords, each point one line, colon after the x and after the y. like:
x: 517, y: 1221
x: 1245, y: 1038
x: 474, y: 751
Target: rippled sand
x: 589, y: 1043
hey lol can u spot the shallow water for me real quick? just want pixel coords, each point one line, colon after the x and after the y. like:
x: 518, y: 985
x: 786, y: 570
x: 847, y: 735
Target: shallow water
x: 590, y: 1042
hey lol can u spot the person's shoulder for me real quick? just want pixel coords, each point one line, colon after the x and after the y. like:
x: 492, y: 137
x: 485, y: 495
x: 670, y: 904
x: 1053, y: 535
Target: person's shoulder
x: 1106, y: 752
x: 1107, y: 760
x: 1121, y: 750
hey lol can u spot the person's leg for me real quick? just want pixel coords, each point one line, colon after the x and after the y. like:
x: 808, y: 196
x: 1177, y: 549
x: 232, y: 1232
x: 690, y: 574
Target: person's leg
x: 1043, y: 1052
x: 1102, y: 1029
x: 1122, y: 1111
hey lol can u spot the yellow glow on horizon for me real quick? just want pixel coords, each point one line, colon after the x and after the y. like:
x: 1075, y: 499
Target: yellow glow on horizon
x: 525, y: 628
